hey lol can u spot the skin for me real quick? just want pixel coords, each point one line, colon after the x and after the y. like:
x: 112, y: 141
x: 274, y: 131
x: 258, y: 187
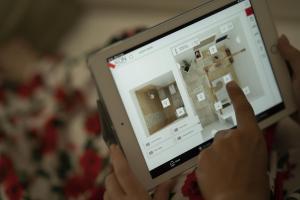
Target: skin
x: 234, y: 167
x: 246, y: 173
x: 292, y: 55
x: 122, y: 184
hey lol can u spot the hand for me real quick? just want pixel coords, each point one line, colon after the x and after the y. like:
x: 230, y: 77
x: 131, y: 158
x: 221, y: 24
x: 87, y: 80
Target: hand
x: 234, y: 167
x: 292, y: 55
x: 122, y: 184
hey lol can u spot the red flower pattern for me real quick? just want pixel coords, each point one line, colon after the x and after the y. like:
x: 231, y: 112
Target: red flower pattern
x: 27, y: 89
x: 13, y: 188
x: 92, y: 124
x: 190, y: 188
x: 60, y: 94
x: 76, y: 186
x: 36, y: 82
x: 49, y: 140
x: 6, y: 167
x: 91, y: 164
x: 97, y: 193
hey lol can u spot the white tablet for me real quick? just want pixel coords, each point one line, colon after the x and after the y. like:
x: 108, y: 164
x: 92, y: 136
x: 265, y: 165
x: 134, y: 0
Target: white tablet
x: 164, y: 89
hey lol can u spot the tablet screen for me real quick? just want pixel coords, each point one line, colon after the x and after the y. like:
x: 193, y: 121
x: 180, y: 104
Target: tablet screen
x: 173, y: 86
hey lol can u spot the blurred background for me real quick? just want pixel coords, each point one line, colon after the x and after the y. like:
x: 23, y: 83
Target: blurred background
x: 102, y: 19
x: 50, y: 141
x: 75, y: 26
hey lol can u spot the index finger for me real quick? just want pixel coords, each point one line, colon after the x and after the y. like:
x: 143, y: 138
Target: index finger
x: 122, y: 170
x: 244, y: 113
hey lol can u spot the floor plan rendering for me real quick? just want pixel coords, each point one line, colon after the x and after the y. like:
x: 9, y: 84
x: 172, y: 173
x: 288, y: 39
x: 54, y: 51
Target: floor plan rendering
x: 160, y: 102
x: 218, y: 58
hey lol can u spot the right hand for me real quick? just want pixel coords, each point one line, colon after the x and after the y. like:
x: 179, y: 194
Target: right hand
x: 234, y: 167
x: 292, y: 55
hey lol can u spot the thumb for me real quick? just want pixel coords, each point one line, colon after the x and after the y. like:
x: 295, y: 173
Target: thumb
x: 289, y: 53
x: 163, y: 191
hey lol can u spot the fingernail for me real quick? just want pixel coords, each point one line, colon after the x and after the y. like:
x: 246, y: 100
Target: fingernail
x: 232, y: 84
x: 284, y: 39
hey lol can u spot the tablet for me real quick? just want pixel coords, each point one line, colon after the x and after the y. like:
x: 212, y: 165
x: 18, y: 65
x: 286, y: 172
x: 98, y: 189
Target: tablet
x: 164, y: 89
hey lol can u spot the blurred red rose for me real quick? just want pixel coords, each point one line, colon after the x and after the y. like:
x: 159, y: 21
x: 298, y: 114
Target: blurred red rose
x: 92, y: 124
x: 97, y: 193
x: 190, y: 188
x: 49, y: 140
x: 6, y: 167
x: 76, y: 186
x: 27, y: 89
x: 60, y: 94
x: 36, y: 81
x: 78, y: 97
x: 13, y: 188
x: 75, y: 100
x: 91, y: 164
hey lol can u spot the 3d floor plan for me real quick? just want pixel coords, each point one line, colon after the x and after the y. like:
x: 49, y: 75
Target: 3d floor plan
x: 160, y: 102
x: 206, y: 77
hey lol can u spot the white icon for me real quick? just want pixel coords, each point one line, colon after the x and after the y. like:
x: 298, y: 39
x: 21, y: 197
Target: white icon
x: 218, y: 105
x: 213, y: 49
x: 165, y: 103
x: 180, y: 112
x: 201, y: 96
x: 227, y: 78
x: 246, y: 90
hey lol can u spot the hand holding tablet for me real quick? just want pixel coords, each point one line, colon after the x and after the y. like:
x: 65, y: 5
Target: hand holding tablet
x: 234, y: 163
x: 164, y: 90
x: 121, y: 183
x: 292, y: 56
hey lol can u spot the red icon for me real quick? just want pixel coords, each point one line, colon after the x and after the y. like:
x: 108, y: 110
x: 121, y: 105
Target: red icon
x: 249, y: 11
x: 111, y: 65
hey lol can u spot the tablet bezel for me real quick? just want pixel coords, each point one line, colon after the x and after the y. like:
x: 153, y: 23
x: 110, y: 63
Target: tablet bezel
x: 120, y: 121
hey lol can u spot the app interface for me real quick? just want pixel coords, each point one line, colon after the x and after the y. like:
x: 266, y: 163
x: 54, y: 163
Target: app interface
x: 174, y: 87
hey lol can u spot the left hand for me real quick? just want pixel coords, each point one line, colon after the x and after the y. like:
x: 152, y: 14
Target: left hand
x: 122, y: 184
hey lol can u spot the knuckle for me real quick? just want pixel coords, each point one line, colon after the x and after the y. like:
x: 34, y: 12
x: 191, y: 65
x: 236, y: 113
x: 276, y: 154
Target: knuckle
x: 220, y: 134
x: 202, y: 157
